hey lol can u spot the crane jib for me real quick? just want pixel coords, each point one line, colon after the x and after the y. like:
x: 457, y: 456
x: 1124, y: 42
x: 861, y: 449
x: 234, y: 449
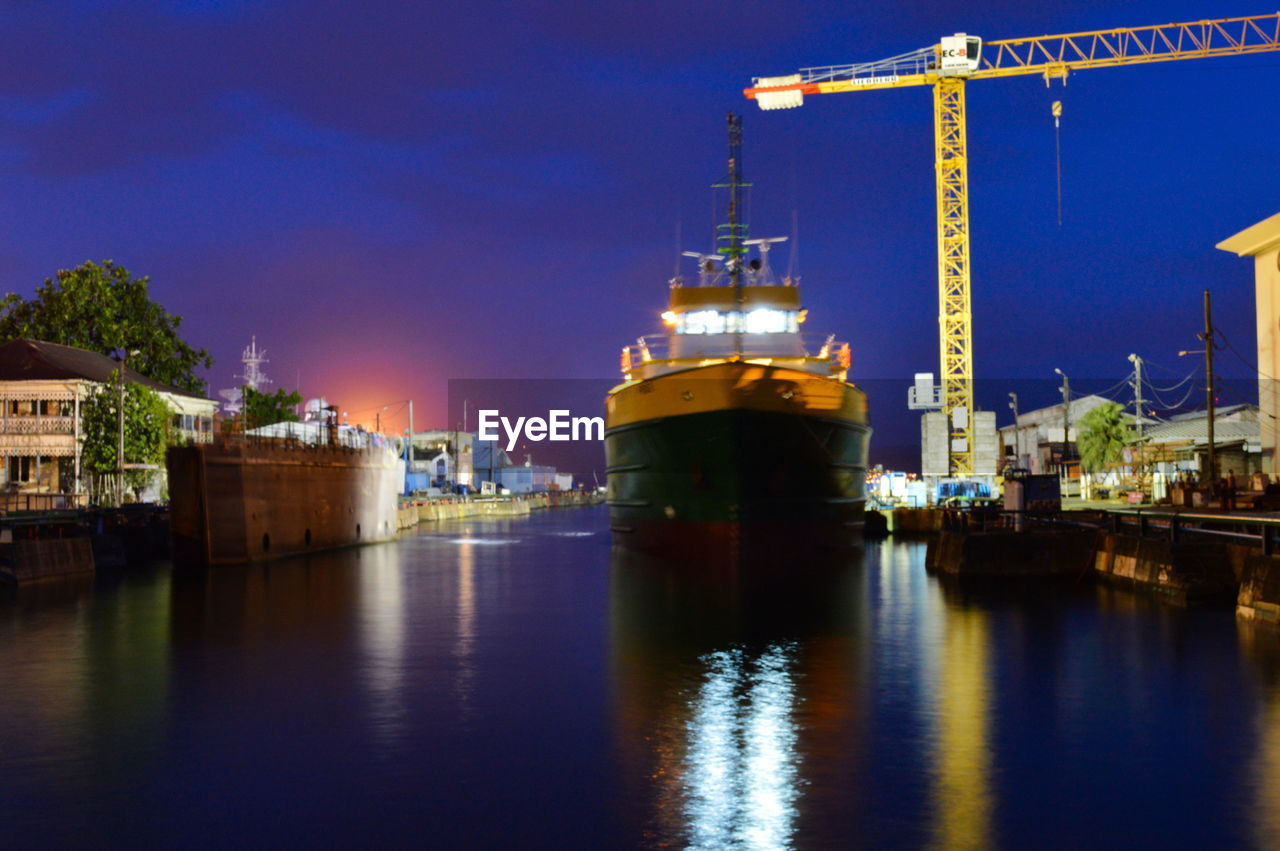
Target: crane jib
x: 947, y: 67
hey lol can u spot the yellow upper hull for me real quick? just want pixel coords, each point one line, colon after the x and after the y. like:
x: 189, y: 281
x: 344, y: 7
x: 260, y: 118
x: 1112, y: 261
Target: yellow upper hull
x: 735, y: 385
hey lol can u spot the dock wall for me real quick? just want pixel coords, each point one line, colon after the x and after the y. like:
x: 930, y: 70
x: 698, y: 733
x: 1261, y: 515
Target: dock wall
x: 430, y: 511
x: 1259, y: 597
x: 1055, y: 552
x: 1185, y: 572
x: 29, y: 560
x: 1159, y: 555
x: 914, y: 521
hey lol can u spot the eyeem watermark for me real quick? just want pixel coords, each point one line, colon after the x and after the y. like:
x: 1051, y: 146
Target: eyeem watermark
x: 559, y: 425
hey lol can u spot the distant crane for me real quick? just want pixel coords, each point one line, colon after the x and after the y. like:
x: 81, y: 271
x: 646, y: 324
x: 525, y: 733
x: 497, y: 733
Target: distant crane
x: 946, y: 66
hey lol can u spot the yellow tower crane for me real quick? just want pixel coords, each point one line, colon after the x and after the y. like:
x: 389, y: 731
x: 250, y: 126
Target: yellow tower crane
x: 946, y: 66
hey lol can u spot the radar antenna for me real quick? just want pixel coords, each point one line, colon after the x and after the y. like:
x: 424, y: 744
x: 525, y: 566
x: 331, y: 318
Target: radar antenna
x: 253, y: 358
x: 730, y: 235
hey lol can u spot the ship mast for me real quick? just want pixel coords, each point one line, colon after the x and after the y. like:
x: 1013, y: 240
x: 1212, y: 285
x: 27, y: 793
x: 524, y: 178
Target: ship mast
x: 730, y: 236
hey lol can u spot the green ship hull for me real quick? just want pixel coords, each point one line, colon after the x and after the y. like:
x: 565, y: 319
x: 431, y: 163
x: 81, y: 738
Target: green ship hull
x: 724, y: 482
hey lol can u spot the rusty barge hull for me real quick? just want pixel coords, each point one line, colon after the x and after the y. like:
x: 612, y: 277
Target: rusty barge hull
x: 258, y: 500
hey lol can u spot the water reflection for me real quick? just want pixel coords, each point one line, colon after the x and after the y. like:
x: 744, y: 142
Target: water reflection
x: 517, y: 683
x: 465, y: 640
x: 1261, y: 642
x: 731, y: 697
x: 740, y: 768
x: 382, y: 636
x: 962, y: 773
x: 749, y: 709
x: 85, y: 691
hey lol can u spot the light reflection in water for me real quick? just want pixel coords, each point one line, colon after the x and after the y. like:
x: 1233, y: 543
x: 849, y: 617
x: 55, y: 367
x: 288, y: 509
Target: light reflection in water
x: 1266, y: 780
x: 740, y: 778
x: 464, y: 644
x: 962, y: 769
x: 382, y: 634
x: 1263, y: 772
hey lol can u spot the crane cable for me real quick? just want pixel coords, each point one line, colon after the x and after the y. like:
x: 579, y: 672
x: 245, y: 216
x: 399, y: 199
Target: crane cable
x: 1056, y: 109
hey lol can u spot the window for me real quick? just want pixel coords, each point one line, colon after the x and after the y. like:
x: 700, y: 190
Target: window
x: 761, y: 320
x: 20, y: 469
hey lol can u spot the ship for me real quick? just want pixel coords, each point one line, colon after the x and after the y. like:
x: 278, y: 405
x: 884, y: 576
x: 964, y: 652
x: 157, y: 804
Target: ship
x: 734, y: 431
x: 285, y: 490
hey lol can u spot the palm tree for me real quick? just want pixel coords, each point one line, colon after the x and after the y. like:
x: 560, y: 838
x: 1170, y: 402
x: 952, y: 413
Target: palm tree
x: 1104, y: 433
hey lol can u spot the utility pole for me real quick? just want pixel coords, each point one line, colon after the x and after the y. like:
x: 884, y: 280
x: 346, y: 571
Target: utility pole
x: 1066, y: 415
x: 1137, y: 406
x: 120, y: 423
x: 1211, y: 474
x: 1017, y: 434
x: 120, y: 445
x: 1207, y: 337
x: 408, y: 467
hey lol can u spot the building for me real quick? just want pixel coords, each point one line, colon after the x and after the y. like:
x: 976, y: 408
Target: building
x: 1182, y: 443
x: 526, y: 478
x: 489, y: 459
x: 1262, y: 243
x: 1035, y: 441
x: 444, y: 457
x: 42, y: 386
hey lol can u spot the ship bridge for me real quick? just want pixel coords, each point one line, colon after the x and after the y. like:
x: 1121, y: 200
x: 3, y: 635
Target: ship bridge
x: 716, y: 324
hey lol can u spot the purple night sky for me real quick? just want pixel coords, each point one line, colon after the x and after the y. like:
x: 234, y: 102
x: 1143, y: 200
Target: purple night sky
x: 391, y: 194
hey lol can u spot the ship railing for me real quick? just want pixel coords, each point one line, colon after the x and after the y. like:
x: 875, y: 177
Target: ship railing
x: 347, y: 437
x: 655, y: 351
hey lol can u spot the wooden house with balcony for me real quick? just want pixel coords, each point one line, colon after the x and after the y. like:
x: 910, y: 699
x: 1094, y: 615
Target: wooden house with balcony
x: 42, y: 386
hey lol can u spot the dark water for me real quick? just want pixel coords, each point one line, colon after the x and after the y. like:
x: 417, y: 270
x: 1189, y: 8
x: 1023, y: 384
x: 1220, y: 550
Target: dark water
x: 513, y: 684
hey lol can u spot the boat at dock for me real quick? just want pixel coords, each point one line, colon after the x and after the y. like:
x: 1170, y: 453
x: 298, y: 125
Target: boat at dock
x: 733, y: 429
x: 250, y: 498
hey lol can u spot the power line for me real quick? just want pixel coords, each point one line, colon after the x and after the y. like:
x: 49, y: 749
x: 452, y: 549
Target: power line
x: 1241, y: 357
x: 1114, y: 387
x: 1164, y: 404
x: 1174, y: 387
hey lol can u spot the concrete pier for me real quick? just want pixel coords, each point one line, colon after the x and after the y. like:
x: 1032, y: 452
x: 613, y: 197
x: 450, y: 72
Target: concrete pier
x: 1003, y: 552
x: 1184, y: 572
x: 433, y: 510
x: 28, y: 560
x: 1259, y: 596
x: 1183, y: 557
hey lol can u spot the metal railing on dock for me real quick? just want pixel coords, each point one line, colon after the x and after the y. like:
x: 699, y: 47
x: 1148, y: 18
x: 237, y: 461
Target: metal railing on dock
x: 1258, y: 531
x: 40, y: 501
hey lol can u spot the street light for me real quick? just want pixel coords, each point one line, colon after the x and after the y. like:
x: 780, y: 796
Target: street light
x: 119, y: 448
x: 1066, y: 413
x: 1017, y: 434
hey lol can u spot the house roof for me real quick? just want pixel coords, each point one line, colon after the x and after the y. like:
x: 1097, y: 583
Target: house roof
x: 1254, y: 239
x: 35, y: 360
x: 1220, y: 414
x: 1197, y: 431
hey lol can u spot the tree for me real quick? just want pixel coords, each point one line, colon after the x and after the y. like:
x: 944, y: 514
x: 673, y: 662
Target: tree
x: 1104, y: 433
x: 146, y: 419
x: 262, y: 409
x: 103, y: 308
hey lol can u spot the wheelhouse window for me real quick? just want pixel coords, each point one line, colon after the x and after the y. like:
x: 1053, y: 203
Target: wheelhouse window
x: 762, y: 320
